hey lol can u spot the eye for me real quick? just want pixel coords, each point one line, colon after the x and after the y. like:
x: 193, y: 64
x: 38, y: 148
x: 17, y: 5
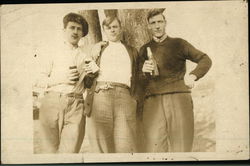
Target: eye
x: 107, y: 28
x: 152, y: 22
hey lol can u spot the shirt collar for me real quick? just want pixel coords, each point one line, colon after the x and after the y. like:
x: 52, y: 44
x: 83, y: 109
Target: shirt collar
x: 114, y: 43
x: 158, y: 40
x: 70, y: 46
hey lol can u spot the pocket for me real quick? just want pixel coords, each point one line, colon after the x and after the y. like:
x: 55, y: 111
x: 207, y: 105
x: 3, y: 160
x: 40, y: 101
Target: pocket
x: 131, y: 110
x: 184, y: 101
x: 102, y: 106
x: 125, y: 92
x: 99, y: 90
x: 80, y: 105
x: 74, y: 109
x: 189, y: 98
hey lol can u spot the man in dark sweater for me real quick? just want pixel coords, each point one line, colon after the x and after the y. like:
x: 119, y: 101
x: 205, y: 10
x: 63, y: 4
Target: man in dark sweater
x: 168, y: 121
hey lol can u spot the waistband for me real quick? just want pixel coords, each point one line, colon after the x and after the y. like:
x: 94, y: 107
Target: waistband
x: 74, y: 95
x: 167, y: 88
x: 110, y: 85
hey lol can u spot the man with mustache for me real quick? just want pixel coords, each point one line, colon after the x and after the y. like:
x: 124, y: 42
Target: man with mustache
x: 111, y: 102
x: 62, y: 122
x: 168, y: 120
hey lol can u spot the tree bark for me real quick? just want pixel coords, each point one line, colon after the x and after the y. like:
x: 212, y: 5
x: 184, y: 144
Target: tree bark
x: 94, y: 35
x: 134, y: 26
x: 111, y: 12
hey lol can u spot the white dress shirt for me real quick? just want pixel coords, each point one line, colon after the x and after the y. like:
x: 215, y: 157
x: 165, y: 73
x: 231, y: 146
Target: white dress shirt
x: 63, y: 56
x: 115, y: 64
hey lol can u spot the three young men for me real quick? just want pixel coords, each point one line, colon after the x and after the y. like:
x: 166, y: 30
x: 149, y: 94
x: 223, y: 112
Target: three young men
x: 113, y: 80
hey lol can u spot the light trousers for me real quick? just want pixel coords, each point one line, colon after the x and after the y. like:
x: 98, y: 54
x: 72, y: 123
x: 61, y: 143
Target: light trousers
x: 168, y: 123
x: 62, y: 123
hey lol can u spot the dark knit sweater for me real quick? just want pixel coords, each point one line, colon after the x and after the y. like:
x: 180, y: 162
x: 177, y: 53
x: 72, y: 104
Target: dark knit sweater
x: 171, y: 55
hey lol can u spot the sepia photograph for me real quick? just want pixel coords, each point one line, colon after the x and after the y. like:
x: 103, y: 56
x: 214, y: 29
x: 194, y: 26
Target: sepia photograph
x: 124, y: 82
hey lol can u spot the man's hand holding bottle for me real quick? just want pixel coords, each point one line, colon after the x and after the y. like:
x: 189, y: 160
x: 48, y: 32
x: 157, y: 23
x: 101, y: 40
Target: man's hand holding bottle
x: 150, y: 65
x: 90, y: 66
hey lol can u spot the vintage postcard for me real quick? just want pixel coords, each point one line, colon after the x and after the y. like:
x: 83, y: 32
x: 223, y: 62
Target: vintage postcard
x: 124, y: 82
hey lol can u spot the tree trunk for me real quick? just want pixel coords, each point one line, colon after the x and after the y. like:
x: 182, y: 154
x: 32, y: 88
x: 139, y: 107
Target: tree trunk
x: 135, y: 26
x: 110, y: 12
x: 94, y: 35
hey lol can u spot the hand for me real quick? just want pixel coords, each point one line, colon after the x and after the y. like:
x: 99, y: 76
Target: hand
x: 96, y: 49
x: 101, y: 43
x: 190, y: 80
x: 72, y: 76
x: 148, y: 67
x: 91, y: 67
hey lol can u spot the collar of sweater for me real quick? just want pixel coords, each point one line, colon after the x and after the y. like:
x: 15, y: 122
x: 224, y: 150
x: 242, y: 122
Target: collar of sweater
x: 161, y: 39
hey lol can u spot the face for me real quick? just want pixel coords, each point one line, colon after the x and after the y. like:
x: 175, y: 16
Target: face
x: 113, y: 31
x: 73, y: 32
x: 157, y: 25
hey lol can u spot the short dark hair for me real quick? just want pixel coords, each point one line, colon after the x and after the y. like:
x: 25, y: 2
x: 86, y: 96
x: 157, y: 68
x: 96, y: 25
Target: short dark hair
x: 108, y: 20
x: 153, y: 13
x: 73, y: 17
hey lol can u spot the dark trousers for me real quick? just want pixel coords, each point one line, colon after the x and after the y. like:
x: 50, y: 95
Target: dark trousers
x: 62, y: 123
x: 168, y: 123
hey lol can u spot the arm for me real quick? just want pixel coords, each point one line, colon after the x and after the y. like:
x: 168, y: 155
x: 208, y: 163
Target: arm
x: 46, y: 81
x: 43, y: 80
x: 92, y: 68
x: 203, y: 61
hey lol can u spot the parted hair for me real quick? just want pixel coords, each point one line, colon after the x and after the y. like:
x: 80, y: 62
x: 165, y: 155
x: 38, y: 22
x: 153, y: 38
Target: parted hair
x: 155, y: 12
x: 108, y: 20
x: 73, y: 17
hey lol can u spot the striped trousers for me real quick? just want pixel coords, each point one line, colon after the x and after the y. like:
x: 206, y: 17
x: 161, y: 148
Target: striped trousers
x: 112, y: 124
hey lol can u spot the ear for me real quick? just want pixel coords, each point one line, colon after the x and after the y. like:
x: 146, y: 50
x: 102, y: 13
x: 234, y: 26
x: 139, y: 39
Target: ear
x: 122, y: 29
x: 122, y: 34
x: 149, y: 26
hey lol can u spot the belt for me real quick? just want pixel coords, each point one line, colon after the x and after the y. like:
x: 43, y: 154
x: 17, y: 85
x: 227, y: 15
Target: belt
x: 109, y: 85
x: 74, y: 95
